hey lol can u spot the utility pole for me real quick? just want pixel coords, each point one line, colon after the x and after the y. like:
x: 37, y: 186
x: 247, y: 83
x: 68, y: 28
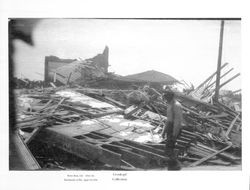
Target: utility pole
x: 217, y: 88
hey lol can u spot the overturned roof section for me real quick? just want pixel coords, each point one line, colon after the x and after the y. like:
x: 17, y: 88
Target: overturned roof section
x: 152, y: 76
x: 71, y: 69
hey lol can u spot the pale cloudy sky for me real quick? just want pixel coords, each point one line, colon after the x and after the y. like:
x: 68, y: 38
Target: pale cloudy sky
x: 184, y: 49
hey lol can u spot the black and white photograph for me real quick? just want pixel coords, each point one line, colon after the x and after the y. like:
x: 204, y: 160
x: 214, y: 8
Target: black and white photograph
x: 125, y: 94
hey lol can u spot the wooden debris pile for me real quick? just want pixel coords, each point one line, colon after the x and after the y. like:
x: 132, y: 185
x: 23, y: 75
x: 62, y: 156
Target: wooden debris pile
x: 93, y: 126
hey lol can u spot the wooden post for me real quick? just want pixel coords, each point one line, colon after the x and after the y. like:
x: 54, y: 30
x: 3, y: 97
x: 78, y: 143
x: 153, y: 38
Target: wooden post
x: 219, y: 62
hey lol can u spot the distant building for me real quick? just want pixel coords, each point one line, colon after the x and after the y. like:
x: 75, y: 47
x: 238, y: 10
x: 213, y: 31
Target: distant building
x: 153, y: 76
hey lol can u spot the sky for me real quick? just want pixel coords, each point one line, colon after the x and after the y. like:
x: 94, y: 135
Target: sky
x: 184, y: 49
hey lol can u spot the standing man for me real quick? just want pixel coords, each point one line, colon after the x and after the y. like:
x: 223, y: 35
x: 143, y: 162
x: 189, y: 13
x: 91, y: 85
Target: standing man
x: 173, y: 125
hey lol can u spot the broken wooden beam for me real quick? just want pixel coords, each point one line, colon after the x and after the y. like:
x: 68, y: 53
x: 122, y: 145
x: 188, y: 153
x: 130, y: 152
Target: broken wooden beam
x: 220, y: 78
x: 224, y: 155
x: 229, y: 80
x: 210, y: 77
x: 210, y: 156
x: 217, y: 162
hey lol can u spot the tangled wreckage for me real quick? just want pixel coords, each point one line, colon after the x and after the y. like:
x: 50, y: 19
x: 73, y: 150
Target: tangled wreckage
x: 82, y: 121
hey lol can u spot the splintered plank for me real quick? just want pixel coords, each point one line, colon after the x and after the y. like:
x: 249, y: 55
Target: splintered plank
x: 80, y: 148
